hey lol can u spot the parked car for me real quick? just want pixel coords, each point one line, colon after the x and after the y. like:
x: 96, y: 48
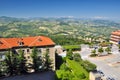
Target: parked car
x: 109, y: 78
x: 101, y: 73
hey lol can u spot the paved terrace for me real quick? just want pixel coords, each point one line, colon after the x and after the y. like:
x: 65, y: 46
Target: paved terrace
x: 109, y: 65
x: 34, y: 76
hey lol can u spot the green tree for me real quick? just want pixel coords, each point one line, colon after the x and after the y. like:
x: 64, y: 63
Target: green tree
x: 88, y: 65
x: 108, y: 50
x: 12, y: 62
x: 9, y: 60
x: 67, y: 75
x: 93, y: 53
x: 47, y: 61
x: 3, y: 68
x: 37, y: 62
x: 16, y: 63
x: 82, y: 76
x: 100, y: 50
x: 77, y: 57
x: 69, y: 54
x: 64, y: 67
x: 22, y: 62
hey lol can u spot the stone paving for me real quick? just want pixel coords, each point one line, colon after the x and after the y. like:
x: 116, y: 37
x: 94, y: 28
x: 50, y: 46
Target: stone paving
x: 109, y: 64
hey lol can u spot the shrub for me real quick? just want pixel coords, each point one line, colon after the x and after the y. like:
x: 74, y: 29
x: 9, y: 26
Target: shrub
x: 69, y: 55
x: 77, y: 57
x: 72, y: 47
x: 88, y: 66
x: 93, y: 55
x: 82, y: 76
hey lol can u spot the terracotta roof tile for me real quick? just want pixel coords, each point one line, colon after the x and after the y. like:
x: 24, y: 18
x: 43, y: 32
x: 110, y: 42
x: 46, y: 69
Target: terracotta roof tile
x: 116, y: 32
x: 6, y: 43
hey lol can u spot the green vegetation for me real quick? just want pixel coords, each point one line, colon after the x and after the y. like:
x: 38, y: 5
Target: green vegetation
x: 93, y: 53
x: 72, y: 47
x: 100, y: 50
x: 37, y: 61
x: 105, y: 44
x: 88, y: 65
x: 67, y: 40
x: 69, y: 55
x: 3, y: 68
x: 108, y: 50
x: 47, y: 61
x: 77, y: 57
x: 16, y: 63
x: 104, y: 47
x: 22, y: 62
x: 74, y: 68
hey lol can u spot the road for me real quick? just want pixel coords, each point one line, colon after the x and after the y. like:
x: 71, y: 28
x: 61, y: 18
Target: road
x: 110, y: 65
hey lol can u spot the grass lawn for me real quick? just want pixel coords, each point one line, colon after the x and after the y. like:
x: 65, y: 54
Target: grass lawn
x: 77, y: 69
x: 72, y: 47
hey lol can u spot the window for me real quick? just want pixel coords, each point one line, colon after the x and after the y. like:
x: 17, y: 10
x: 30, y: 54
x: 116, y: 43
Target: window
x: 47, y: 50
x: 40, y: 50
x: 28, y: 50
x: 20, y: 43
x: 39, y: 39
x: 2, y: 57
x: 23, y: 51
x: 28, y: 57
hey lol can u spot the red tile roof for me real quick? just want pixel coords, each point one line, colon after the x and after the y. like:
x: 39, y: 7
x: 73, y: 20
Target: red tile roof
x: 116, y: 32
x: 6, y: 43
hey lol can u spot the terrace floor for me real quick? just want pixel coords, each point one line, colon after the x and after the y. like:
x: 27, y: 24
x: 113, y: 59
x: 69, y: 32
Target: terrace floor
x: 49, y: 75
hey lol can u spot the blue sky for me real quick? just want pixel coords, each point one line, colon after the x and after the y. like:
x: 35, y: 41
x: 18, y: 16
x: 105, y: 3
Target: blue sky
x: 55, y: 8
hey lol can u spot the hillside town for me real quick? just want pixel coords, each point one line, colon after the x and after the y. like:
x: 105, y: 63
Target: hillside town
x: 59, y: 39
x: 39, y: 54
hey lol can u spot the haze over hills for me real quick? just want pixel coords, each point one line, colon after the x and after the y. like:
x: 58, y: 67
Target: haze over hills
x: 19, y: 27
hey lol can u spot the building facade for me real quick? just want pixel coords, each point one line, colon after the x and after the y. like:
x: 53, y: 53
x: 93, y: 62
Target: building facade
x: 115, y: 37
x: 26, y: 44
